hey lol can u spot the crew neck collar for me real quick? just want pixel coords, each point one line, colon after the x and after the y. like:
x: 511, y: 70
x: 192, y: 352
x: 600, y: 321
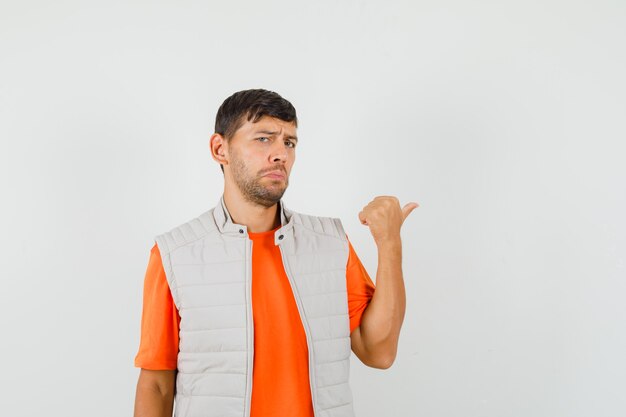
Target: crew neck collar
x: 225, y: 224
x: 266, y: 233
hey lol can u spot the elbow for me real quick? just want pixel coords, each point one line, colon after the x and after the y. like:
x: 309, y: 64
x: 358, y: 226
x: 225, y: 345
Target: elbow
x: 382, y: 361
x: 379, y: 353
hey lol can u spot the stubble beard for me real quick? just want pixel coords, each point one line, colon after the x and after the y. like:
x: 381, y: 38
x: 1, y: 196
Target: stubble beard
x: 251, y: 187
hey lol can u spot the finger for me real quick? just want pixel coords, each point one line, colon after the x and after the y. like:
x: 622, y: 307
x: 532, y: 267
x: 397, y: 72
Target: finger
x: 407, y: 209
x: 362, y: 218
x: 385, y: 197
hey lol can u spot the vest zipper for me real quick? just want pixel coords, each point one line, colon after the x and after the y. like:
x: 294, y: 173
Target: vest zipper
x: 307, y: 332
x: 250, y: 328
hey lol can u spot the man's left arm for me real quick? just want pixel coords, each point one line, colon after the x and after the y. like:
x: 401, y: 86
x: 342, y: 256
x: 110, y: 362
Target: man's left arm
x: 375, y: 341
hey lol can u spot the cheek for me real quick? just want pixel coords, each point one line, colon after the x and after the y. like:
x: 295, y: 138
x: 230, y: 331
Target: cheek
x: 250, y: 156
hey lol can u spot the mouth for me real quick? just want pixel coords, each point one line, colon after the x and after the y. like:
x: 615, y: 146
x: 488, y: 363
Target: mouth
x: 275, y: 175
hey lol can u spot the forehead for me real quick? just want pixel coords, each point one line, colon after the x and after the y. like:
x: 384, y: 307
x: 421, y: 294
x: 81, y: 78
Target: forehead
x: 267, y: 124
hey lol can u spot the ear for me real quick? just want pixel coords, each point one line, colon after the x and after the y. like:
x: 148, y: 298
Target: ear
x: 219, y: 148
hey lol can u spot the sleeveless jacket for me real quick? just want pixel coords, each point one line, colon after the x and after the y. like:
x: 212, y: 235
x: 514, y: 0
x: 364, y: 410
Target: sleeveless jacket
x: 208, y: 265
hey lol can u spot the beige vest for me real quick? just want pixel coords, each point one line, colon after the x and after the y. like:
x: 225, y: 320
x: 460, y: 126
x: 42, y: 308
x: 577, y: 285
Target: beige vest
x: 208, y: 264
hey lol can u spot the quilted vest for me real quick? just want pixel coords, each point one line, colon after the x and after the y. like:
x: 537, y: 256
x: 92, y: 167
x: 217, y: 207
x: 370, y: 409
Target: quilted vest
x: 208, y: 265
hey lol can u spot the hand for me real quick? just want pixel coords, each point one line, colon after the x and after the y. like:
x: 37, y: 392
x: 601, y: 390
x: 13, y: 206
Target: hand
x: 384, y: 217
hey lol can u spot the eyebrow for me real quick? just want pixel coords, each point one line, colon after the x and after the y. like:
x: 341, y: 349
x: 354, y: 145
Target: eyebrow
x: 270, y: 132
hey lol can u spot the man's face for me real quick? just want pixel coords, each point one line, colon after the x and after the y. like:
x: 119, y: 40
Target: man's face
x: 261, y: 157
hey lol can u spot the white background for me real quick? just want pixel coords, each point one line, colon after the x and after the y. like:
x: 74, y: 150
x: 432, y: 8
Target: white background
x: 504, y: 120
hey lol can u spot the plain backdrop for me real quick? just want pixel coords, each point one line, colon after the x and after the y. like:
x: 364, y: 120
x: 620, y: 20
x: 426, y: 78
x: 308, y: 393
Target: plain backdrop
x: 504, y: 120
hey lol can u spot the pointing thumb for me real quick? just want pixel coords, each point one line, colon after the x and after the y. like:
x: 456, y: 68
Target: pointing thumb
x: 407, y: 209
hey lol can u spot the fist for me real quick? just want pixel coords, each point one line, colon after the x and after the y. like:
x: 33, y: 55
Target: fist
x: 384, y: 217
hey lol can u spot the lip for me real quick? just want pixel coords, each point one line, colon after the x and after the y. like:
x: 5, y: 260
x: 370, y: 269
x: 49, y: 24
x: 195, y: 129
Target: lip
x: 275, y: 174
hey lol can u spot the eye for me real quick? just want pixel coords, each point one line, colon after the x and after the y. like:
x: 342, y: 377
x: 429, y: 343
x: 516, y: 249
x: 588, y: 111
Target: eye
x: 290, y: 144
x: 261, y: 139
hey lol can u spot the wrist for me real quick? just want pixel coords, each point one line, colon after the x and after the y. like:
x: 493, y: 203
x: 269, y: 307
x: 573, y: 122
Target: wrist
x: 393, y: 242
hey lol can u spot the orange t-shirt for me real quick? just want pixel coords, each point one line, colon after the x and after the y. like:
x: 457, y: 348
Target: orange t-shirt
x: 280, y: 377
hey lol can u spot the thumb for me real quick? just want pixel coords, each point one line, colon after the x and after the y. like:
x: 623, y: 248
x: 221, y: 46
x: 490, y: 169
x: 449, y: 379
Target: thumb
x: 407, y: 209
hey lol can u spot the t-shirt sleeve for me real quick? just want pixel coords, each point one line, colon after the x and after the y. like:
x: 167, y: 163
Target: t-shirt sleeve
x: 360, y: 288
x: 158, y: 347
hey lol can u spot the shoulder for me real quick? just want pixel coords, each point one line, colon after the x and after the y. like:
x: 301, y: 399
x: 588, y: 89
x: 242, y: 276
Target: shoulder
x: 329, y: 226
x: 186, y: 233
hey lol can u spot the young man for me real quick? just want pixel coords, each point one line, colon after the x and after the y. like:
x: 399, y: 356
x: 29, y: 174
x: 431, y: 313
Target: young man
x: 252, y: 309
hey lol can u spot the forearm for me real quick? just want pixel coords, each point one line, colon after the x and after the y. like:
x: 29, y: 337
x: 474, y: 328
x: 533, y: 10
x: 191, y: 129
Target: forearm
x: 382, y: 319
x: 153, y: 399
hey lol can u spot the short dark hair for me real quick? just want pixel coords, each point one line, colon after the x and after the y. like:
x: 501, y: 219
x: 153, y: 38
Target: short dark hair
x: 251, y: 105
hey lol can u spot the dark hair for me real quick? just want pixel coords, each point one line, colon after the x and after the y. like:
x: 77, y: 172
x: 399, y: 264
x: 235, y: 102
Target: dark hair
x: 251, y: 105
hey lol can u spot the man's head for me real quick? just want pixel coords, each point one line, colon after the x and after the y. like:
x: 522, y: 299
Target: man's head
x: 255, y: 134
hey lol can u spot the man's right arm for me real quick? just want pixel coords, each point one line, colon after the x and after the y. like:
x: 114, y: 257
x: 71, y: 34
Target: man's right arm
x: 155, y: 393
x: 158, y: 348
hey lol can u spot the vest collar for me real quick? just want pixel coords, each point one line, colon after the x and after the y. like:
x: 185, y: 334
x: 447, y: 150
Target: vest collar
x: 226, y: 226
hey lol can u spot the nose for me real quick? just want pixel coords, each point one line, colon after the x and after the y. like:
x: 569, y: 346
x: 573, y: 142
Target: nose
x: 279, y: 151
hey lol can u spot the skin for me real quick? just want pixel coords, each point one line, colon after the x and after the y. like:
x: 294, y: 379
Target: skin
x: 155, y: 393
x: 255, y: 150
x: 375, y: 341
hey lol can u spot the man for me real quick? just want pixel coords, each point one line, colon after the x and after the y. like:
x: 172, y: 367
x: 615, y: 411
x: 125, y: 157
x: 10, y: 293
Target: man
x: 252, y: 309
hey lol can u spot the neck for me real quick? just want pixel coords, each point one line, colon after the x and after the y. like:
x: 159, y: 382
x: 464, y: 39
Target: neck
x: 255, y: 217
